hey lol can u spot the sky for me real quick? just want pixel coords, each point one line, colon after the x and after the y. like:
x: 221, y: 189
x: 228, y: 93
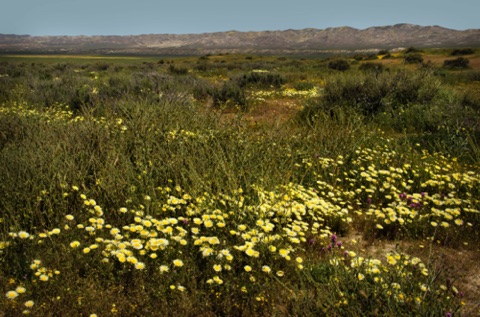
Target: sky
x: 122, y: 17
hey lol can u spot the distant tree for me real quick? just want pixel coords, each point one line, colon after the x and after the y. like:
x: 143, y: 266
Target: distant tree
x: 383, y: 52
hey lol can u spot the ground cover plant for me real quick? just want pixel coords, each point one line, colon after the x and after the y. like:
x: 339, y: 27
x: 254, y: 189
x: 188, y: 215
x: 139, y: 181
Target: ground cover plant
x: 232, y: 185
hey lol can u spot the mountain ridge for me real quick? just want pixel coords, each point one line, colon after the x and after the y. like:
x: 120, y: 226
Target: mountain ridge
x: 290, y: 41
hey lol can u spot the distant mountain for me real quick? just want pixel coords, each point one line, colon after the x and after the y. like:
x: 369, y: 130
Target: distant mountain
x: 306, y: 41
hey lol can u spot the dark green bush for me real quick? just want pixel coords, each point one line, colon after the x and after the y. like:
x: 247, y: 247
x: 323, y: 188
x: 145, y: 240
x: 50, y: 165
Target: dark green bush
x: 364, y: 57
x: 303, y: 85
x: 260, y: 80
x: 412, y: 49
x: 339, y: 64
x: 230, y: 94
x: 371, y: 67
x: 413, y: 58
x: 177, y: 70
x: 370, y: 95
x: 462, y: 51
x: 457, y: 63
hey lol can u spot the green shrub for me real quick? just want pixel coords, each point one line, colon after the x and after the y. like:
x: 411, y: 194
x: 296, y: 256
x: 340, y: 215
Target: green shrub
x: 458, y: 63
x: 229, y: 94
x: 339, y: 64
x: 371, y: 67
x: 462, y: 51
x: 413, y: 58
x: 412, y: 49
x: 370, y: 95
x: 364, y: 57
x: 259, y: 79
x: 177, y: 70
x: 303, y: 85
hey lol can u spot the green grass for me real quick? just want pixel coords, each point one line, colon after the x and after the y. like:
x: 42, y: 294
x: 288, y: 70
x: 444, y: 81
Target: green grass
x: 122, y: 181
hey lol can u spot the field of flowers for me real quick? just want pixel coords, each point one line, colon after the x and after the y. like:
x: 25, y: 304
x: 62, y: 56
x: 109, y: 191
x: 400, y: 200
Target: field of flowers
x: 135, y: 194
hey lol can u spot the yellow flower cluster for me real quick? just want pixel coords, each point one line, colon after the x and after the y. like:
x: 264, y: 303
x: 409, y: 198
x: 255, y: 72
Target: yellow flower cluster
x: 58, y: 113
x: 42, y: 273
x: 293, y: 93
x: 13, y: 295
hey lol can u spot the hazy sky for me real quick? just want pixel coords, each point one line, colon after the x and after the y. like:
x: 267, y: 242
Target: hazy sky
x: 123, y: 17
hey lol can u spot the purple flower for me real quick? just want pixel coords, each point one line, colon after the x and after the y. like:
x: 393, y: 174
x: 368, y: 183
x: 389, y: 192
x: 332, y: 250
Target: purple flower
x: 448, y: 314
x: 311, y: 241
x: 402, y: 196
x: 339, y: 244
x: 369, y: 200
x: 333, y: 238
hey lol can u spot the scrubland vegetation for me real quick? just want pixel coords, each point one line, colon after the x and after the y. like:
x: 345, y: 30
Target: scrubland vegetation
x: 240, y: 185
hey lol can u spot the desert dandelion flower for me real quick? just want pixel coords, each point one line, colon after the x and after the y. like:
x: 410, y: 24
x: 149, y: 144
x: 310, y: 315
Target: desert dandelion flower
x: 11, y: 294
x: 23, y: 235
x: 139, y: 265
x: 178, y: 263
x: 29, y: 303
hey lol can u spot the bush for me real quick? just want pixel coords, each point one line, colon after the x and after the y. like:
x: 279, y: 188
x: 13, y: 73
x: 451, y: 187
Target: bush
x: 462, y: 51
x: 413, y: 58
x: 370, y: 95
x: 229, y: 94
x: 303, y: 85
x: 412, y: 49
x: 178, y: 70
x: 364, y: 57
x: 339, y: 64
x: 260, y: 79
x: 371, y: 67
x: 457, y: 63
